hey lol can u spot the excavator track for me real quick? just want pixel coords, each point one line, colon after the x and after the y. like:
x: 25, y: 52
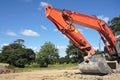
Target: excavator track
x: 97, y: 65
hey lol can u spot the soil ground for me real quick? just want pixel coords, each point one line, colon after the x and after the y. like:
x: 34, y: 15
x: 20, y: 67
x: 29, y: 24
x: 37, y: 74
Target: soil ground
x: 58, y: 74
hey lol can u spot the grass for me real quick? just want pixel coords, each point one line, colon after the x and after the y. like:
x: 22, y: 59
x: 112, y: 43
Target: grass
x: 3, y: 64
x: 62, y: 66
x: 36, y: 67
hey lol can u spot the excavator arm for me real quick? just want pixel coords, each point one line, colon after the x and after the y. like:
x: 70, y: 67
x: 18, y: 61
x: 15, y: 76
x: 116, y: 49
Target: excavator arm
x: 65, y: 20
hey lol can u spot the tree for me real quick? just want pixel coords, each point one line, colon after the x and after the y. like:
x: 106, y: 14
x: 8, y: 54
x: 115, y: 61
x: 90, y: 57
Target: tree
x: 115, y: 24
x: 19, y: 41
x: 73, y: 53
x: 48, y: 54
x: 62, y: 60
x: 17, y: 55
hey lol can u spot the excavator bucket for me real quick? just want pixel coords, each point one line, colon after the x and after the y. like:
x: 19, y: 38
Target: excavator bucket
x: 97, y: 65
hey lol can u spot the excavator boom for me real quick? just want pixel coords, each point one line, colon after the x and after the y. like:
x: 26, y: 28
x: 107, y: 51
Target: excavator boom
x: 70, y: 31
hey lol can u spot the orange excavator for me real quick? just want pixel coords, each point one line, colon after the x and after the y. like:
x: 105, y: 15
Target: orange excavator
x: 65, y: 20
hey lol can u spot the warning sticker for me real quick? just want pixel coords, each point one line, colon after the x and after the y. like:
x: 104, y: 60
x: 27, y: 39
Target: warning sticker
x: 76, y: 30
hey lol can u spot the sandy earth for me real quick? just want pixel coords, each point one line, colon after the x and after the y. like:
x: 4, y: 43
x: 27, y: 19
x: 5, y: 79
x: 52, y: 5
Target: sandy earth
x: 69, y: 74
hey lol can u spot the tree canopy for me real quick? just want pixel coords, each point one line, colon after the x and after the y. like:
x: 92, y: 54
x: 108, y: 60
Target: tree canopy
x: 73, y: 53
x: 115, y: 24
x: 48, y: 54
x: 17, y: 55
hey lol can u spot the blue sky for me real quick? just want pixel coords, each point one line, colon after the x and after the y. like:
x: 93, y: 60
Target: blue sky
x: 25, y: 19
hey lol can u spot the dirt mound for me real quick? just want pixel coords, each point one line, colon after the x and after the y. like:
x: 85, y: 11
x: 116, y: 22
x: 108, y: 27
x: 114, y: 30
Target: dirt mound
x: 4, y: 70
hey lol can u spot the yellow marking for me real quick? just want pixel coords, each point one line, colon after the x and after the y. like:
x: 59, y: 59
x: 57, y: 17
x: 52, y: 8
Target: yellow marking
x: 76, y: 30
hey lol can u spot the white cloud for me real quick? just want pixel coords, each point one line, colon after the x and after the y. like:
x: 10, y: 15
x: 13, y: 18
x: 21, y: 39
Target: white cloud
x: 102, y: 17
x: 36, y: 49
x: 1, y: 45
x: 64, y: 36
x: 43, y: 4
x: 10, y: 33
x: 96, y: 48
x: 28, y: 32
x: 61, y: 47
x: 5, y: 44
x: 43, y: 27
